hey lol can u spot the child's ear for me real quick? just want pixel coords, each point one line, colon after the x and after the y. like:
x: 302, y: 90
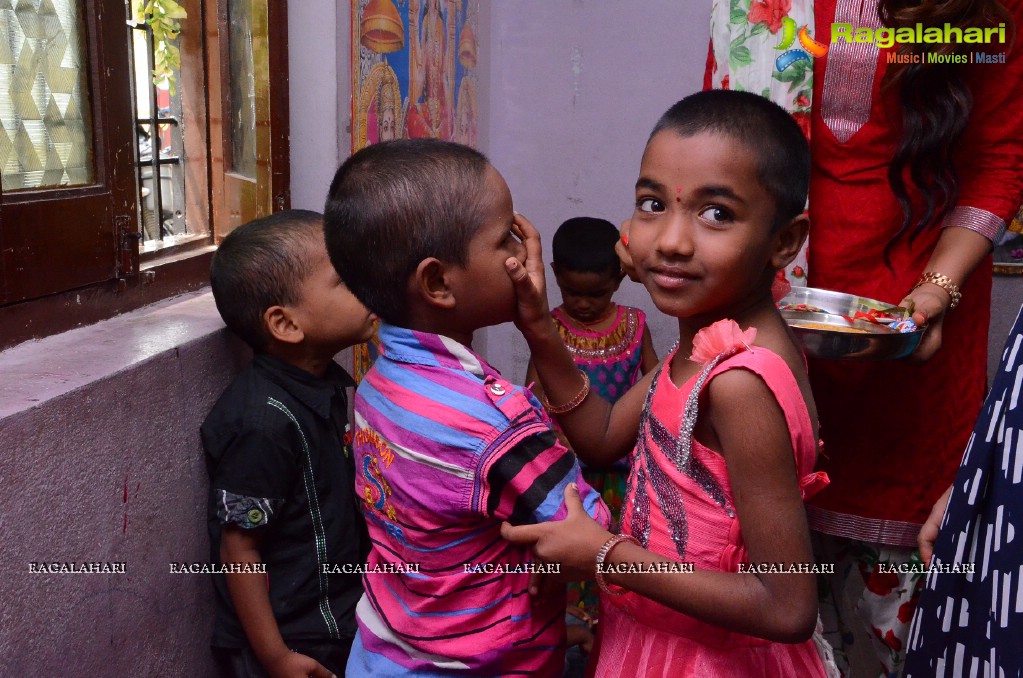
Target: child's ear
x: 430, y: 282
x: 788, y: 240
x: 281, y: 325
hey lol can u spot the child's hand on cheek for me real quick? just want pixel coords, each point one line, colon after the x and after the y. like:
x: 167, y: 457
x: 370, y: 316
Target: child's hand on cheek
x: 572, y: 542
x: 622, y: 250
x: 528, y: 278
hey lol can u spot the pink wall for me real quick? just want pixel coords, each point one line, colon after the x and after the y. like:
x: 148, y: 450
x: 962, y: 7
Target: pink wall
x: 102, y: 463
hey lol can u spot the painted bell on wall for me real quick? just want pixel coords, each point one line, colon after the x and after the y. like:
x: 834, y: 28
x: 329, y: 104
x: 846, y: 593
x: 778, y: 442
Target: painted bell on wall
x: 381, y: 28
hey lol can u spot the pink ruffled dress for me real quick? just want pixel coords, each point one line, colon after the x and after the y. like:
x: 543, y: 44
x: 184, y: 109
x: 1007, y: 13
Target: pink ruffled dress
x: 679, y: 504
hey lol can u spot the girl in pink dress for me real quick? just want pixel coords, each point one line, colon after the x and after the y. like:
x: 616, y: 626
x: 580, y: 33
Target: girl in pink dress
x: 712, y: 573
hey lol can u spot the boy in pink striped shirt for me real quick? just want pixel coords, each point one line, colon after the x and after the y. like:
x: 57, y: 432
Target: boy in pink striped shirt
x: 446, y: 450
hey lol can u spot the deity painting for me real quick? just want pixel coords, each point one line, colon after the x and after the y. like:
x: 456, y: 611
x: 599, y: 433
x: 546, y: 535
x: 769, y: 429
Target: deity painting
x: 409, y: 60
x: 465, y: 113
x: 378, y: 110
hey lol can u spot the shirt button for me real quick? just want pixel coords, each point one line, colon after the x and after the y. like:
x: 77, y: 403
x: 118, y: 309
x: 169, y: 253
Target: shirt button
x: 497, y: 389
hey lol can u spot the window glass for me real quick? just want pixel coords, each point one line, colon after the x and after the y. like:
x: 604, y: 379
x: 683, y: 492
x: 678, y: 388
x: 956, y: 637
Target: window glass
x: 243, y: 88
x: 45, y: 130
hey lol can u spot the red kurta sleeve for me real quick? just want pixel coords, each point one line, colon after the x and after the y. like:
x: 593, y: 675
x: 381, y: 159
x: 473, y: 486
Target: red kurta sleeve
x: 990, y: 158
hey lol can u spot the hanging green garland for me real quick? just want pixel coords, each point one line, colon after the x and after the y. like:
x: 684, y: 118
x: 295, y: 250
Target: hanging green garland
x: 162, y: 17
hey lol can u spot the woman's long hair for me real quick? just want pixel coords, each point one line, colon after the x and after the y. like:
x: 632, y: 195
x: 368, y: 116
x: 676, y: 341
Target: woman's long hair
x: 936, y: 105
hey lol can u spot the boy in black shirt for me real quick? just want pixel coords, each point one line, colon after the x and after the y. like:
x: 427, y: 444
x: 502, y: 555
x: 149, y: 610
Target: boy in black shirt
x: 282, y: 511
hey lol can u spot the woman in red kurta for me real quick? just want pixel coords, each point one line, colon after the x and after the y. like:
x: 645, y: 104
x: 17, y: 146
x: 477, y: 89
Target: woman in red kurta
x: 894, y: 432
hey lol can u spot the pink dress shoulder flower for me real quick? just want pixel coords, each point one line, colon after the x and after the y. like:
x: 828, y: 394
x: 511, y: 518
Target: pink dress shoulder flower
x: 724, y: 336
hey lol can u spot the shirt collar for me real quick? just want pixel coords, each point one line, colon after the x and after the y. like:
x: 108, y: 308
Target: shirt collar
x: 424, y: 348
x: 314, y: 392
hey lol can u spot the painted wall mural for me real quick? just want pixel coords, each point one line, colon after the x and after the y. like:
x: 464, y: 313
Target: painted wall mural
x: 414, y: 70
x: 413, y: 77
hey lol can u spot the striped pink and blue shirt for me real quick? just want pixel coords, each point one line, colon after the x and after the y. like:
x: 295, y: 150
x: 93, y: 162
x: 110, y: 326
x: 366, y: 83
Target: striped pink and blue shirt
x: 446, y: 451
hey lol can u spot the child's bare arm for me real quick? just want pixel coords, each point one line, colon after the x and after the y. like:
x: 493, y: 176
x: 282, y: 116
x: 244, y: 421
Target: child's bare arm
x: 780, y: 607
x: 600, y: 433
x: 533, y: 380
x: 597, y: 433
x: 252, y: 604
x: 768, y: 503
x: 649, y: 355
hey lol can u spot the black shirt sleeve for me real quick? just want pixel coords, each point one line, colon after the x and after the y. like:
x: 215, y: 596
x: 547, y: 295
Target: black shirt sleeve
x: 253, y: 477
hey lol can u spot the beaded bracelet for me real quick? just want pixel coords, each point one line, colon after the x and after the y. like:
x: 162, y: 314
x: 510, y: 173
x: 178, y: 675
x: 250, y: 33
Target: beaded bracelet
x: 574, y: 402
x: 602, y: 555
x: 944, y: 282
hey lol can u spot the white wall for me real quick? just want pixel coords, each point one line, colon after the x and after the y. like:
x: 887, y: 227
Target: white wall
x: 319, y: 96
x: 575, y: 88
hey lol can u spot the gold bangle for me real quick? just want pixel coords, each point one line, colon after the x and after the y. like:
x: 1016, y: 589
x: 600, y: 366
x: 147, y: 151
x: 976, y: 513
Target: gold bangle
x: 944, y: 282
x: 602, y: 555
x: 574, y: 402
